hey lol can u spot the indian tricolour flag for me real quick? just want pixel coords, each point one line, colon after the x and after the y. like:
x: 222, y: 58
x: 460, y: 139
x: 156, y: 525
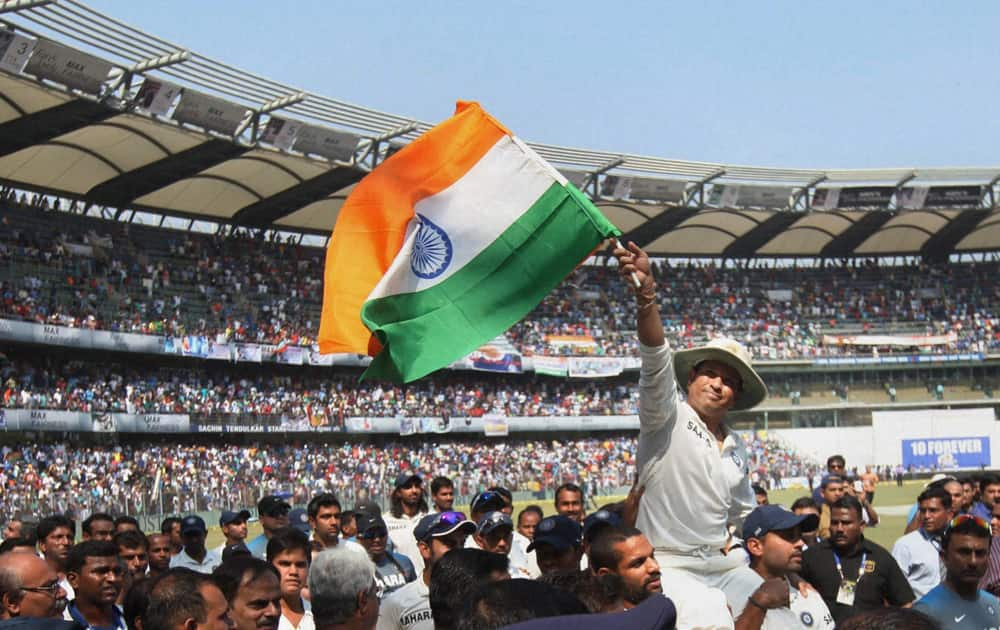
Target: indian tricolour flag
x: 447, y: 244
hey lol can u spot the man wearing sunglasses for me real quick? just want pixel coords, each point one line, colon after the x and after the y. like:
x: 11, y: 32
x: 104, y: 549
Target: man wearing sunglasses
x: 409, y: 607
x: 392, y: 570
x: 30, y: 588
x: 273, y: 512
x: 958, y: 602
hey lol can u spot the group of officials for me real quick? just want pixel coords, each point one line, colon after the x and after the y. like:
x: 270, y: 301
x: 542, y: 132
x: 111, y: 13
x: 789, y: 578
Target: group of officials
x: 693, y: 546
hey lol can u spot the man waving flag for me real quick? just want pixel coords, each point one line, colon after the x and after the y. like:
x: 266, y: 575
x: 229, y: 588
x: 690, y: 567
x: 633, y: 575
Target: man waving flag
x: 447, y: 244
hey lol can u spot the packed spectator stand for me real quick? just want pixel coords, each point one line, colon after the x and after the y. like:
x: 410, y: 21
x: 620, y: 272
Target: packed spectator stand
x: 73, y: 270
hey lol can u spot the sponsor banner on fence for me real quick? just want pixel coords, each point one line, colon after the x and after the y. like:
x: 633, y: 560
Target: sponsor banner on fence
x: 495, y: 426
x: 220, y: 351
x: 854, y: 197
x: 594, y: 367
x: 151, y: 423
x: 249, y: 352
x: 897, y: 360
x: 908, y: 341
x: 290, y: 355
x: 496, y: 358
x: 947, y: 452
x: 47, y: 420
x: 425, y: 424
x: 315, y: 358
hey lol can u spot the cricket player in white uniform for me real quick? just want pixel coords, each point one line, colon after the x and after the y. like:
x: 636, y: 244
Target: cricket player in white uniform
x: 694, y: 469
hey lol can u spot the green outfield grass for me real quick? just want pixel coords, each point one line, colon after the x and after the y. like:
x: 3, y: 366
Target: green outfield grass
x: 887, y: 497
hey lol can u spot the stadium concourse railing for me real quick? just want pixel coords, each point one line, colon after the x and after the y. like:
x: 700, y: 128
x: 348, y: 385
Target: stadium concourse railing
x: 151, y: 505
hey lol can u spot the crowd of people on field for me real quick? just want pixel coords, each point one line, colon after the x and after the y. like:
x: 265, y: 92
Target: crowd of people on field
x: 86, y: 272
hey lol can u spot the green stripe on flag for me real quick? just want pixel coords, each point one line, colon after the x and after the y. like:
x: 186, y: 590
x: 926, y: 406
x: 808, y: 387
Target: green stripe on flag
x: 427, y: 330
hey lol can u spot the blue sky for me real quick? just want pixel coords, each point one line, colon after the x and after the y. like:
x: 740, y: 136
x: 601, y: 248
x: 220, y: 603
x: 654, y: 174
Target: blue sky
x: 797, y: 84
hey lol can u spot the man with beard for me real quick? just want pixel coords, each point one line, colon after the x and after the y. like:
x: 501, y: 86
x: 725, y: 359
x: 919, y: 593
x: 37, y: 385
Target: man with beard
x: 273, y: 512
x: 29, y: 588
x: 407, y: 506
x: 159, y: 553
x: 94, y: 572
x: 55, y: 538
x: 958, y: 602
x: 289, y: 552
x: 253, y: 589
x: 392, y: 570
x: 852, y: 573
x: 773, y: 539
x: 624, y: 551
x: 918, y: 553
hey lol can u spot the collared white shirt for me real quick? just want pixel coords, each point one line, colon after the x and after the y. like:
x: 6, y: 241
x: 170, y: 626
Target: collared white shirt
x: 401, y: 533
x: 694, y: 490
x: 918, y: 557
x: 306, y: 623
x: 809, y: 611
x: 212, y: 560
x: 523, y: 558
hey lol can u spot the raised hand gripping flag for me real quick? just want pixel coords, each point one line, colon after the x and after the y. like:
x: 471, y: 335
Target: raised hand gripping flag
x: 447, y: 244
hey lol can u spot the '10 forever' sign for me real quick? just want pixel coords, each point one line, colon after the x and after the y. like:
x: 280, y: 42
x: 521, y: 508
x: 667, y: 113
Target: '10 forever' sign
x: 946, y: 452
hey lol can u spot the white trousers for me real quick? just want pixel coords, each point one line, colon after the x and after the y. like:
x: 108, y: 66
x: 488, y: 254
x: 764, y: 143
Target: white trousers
x: 706, y: 587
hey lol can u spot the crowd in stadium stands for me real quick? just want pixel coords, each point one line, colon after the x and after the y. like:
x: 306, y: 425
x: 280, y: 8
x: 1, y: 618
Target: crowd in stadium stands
x: 39, y: 383
x: 85, y: 272
x: 152, y: 478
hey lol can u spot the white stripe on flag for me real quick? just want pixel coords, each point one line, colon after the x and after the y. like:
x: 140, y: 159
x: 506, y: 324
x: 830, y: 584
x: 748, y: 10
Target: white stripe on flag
x: 473, y: 212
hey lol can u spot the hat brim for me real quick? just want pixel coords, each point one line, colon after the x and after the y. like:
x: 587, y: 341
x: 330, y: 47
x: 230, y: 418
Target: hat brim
x: 560, y: 543
x: 469, y: 526
x: 193, y: 530
x: 401, y: 483
x: 750, y: 395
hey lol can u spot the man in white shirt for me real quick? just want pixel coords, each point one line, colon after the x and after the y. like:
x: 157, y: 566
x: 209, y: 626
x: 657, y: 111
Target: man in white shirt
x: 773, y: 539
x: 527, y: 521
x: 407, y: 506
x: 695, y: 471
x: 193, y: 555
x: 409, y: 607
x: 918, y: 553
x: 495, y: 533
x: 290, y: 553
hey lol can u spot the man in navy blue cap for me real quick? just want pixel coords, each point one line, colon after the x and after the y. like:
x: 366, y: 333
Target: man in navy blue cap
x: 194, y: 556
x: 406, y: 507
x: 495, y: 533
x: 392, y: 570
x: 409, y: 607
x: 234, y: 528
x: 773, y: 540
x: 557, y: 544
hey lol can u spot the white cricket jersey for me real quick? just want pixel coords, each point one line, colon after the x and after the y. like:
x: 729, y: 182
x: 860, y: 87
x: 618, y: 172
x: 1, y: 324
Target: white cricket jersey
x: 306, y: 623
x: 407, y: 608
x: 694, y: 491
x: 401, y: 534
x: 809, y: 611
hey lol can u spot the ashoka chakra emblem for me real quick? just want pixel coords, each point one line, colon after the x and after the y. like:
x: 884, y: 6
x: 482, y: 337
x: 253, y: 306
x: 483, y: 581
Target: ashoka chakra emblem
x: 432, y: 250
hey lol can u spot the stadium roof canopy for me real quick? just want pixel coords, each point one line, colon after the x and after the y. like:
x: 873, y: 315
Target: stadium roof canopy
x: 98, y: 111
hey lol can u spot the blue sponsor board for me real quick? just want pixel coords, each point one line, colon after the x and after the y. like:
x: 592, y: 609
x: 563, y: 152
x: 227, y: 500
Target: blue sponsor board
x: 946, y: 452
